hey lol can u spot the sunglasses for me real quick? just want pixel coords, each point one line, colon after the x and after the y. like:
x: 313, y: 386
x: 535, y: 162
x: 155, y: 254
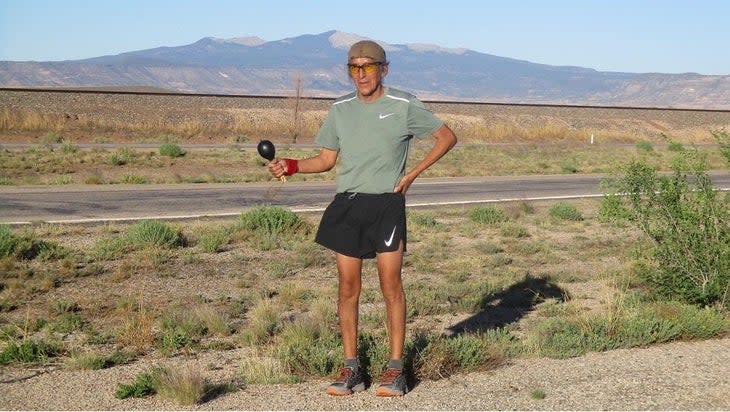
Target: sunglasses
x: 367, y: 68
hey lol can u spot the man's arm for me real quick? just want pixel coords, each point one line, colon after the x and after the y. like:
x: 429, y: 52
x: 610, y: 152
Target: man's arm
x: 324, y: 161
x: 445, y: 140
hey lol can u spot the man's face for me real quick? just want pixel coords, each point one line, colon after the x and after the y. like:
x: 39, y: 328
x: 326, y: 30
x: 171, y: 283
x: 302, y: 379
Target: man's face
x: 367, y: 75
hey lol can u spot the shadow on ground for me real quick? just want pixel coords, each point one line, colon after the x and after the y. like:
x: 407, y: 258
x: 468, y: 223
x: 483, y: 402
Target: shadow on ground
x: 509, y: 306
x: 497, y: 310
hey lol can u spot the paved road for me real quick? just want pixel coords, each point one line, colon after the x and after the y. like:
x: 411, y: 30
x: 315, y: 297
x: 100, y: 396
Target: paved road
x: 74, y: 204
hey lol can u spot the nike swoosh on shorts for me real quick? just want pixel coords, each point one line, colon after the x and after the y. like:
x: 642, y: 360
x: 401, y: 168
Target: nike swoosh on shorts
x: 388, y: 242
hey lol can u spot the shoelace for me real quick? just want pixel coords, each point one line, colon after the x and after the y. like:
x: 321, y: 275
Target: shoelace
x: 390, y: 375
x: 345, y: 374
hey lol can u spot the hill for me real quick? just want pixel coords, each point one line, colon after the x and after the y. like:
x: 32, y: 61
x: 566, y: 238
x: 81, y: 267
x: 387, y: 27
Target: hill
x: 254, y: 66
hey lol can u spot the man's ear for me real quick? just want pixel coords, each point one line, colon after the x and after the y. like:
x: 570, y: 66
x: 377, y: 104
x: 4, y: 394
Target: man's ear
x: 385, y: 70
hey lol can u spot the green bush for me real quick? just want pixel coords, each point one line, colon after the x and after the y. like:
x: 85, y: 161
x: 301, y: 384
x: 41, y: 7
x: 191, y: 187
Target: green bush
x: 442, y: 356
x: 27, y: 351
x: 121, y: 156
x: 154, y: 233
x: 688, y: 223
x: 51, y: 138
x: 611, y: 209
x: 629, y: 324
x: 134, y: 180
x: 269, y: 223
x: 569, y: 166
x: 309, y: 349
x: 8, y: 241
x: 723, y: 139
x: 487, y: 215
x: 171, y: 150
x: 644, y: 146
x: 565, y: 211
x: 214, y: 240
x: 144, y: 384
x: 26, y: 246
x: 69, y: 147
x: 675, y: 147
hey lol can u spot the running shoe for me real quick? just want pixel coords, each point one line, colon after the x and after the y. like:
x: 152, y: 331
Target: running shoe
x: 348, y: 382
x: 393, y: 383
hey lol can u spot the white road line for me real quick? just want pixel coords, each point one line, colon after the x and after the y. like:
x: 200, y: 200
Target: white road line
x: 313, y: 209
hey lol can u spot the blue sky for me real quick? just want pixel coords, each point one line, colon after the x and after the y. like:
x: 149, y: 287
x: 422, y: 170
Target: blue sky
x: 666, y: 36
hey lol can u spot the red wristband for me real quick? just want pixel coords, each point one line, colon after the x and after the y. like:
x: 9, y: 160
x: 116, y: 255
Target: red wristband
x: 292, y: 166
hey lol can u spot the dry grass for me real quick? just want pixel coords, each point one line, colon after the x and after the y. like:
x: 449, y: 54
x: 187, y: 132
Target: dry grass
x: 48, y: 166
x: 184, y: 385
x: 144, y: 118
x: 478, y: 293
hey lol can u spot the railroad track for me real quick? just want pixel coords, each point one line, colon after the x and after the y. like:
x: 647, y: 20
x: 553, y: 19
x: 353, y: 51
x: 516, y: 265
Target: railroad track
x: 316, y: 98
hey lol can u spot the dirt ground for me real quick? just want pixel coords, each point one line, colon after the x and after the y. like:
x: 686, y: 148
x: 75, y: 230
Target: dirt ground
x: 676, y: 376
x: 86, y: 117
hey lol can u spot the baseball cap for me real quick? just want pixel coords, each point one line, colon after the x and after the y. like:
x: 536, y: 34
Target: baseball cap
x: 367, y: 48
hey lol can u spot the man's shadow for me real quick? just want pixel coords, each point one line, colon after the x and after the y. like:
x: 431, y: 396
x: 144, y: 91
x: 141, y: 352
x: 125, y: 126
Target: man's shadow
x: 508, y: 306
x: 496, y: 311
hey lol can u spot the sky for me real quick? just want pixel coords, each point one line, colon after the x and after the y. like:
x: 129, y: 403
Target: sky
x: 637, y: 36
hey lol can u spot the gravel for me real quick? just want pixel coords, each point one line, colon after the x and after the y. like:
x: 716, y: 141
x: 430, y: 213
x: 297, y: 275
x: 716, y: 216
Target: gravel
x: 673, y: 376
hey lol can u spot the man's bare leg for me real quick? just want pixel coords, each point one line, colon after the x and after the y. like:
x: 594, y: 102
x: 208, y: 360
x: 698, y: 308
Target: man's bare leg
x: 350, y: 284
x: 389, y: 272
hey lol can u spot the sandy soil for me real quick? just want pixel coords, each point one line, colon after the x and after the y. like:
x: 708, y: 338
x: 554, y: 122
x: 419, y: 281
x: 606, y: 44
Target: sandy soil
x: 674, y: 376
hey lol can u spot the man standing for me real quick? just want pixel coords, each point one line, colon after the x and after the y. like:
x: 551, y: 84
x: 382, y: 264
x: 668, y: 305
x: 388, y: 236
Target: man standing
x: 370, y: 130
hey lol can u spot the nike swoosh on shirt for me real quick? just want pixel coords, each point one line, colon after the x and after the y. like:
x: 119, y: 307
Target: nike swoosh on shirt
x: 382, y: 116
x: 390, y: 241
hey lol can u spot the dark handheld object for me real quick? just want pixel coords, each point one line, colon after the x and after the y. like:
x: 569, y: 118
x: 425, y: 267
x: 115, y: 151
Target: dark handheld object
x: 266, y: 150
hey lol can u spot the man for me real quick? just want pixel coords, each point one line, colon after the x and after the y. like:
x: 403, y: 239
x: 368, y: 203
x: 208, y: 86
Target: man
x: 370, y: 130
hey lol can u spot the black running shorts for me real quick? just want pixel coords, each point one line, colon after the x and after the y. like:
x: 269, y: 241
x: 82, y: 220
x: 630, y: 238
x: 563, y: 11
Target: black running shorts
x: 361, y: 225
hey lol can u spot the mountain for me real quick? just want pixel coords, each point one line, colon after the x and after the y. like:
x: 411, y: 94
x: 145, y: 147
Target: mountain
x: 253, y: 66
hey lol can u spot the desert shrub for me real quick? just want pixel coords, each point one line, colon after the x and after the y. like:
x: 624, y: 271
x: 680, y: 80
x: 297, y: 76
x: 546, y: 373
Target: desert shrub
x: 441, y: 357
x: 487, y: 215
x: 629, y: 323
x: 723, y: 139
x: 264, y: 322
x: 154, y: 233
x: 27, y: 351
x: 611, y: 209
x: 186, y: 386
x: 133, y: 179
x: 269, y: 223
x: 121, y: 156
x: 426, y: 220
x: 144, y: 384
x: 110, y: 248
x: 69, y: 147
x: 569, y: 166
x: 644, y: 146
x: 51, y: 138
x: 28, y: 246
x: 688, y: 223
x: 514, y: 230
x: 213, y: 241
x: 309, y: 349
x: 565, y: 211
x: 86, y: 361
x: 675, y: 147
x: 8, y: 240
x: 171, y: 150
x: 265, y: 370
x: 185, y: 328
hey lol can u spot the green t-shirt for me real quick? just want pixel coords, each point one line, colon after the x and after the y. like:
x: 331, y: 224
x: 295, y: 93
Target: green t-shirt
x: 373, y: 138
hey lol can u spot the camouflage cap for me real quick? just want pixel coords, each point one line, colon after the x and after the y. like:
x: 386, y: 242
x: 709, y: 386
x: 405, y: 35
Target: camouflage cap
x: 367, y: 48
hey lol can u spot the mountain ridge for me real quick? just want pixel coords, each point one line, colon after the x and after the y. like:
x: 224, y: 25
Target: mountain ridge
x: 251, y: 65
